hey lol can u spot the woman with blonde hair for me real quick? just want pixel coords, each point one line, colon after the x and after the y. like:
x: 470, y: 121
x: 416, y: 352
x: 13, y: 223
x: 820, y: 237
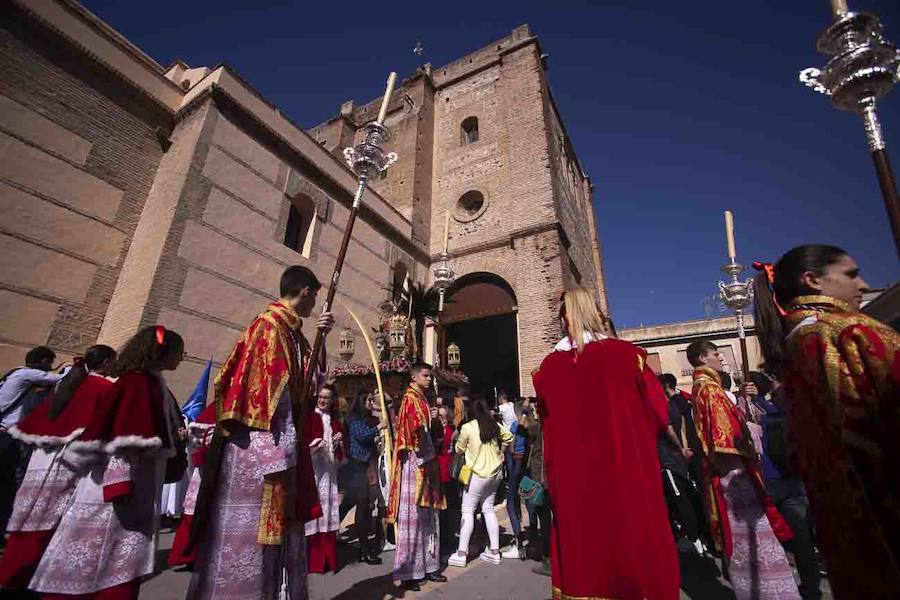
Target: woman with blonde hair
x: 602, y: 410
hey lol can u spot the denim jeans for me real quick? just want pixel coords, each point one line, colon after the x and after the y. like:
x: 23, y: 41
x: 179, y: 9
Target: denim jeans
x: 789, y: 497
x: 513, y: 502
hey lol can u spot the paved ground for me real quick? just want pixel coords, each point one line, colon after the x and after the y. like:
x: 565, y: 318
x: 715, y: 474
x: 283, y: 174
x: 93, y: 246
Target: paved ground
x: 513, y: 579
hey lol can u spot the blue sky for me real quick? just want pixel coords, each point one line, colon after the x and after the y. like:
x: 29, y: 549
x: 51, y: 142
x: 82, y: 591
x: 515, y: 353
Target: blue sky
x: 678, y: 111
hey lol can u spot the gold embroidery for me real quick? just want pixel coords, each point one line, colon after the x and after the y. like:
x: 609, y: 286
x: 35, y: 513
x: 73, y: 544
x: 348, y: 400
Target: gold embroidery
x: 559, y: 595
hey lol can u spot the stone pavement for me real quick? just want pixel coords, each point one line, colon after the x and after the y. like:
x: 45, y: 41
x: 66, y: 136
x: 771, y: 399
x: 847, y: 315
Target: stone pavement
x: 511, y: 580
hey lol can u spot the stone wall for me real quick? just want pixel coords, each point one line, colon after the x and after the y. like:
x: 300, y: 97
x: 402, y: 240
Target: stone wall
x: 78, y: 152
x: 224, y: 252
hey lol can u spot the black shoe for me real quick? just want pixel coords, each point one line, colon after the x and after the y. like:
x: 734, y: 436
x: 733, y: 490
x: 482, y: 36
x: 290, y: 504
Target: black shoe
x: 436, y: 577
x: 369, y: 558
x: 411, y: 586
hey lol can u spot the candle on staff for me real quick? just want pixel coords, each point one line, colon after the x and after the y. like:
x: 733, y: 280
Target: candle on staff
x: 839, y: 8
x: 392, y: 79
x: 729, y: 234
x: 446, y: 230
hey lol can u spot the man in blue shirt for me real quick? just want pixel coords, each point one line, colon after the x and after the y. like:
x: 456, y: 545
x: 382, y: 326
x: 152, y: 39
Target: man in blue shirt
x: 515, y: 462
x: 21, y: 390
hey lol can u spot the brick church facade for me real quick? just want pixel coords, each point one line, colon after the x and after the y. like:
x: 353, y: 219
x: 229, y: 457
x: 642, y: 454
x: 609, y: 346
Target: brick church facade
x: 135, y: 194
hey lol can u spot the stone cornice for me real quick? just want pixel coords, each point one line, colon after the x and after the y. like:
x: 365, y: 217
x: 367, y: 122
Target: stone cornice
x: 106, y: 46
x: 231, y: 92
x: 686, y: 331
x: 500, y: 242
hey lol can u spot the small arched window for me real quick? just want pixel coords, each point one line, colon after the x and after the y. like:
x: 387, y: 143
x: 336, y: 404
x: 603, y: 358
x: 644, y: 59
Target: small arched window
x: 469, y: 131
x: 298, y: 233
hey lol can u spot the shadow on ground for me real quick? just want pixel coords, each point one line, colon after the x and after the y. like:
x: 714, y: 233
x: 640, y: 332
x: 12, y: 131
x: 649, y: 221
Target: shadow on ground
x: 700, y: 578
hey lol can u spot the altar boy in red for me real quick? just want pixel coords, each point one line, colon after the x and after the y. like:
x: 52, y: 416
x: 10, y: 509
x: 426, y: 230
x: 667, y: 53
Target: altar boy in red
x: 416, y: 495
x: 745, y: 523
x: 200, y: 433
x: 257, y: 489
x: 54, y: 469
x: 106, y: 541
x: 325, y: 438
x: 602, y: 410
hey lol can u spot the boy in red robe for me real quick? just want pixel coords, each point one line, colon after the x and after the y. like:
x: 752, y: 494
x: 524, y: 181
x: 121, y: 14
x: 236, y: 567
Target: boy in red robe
x: 416, y: 495
x: 745, y: 524
x: 257, y: 489
x: 199, y: 435
x: 602, y: 409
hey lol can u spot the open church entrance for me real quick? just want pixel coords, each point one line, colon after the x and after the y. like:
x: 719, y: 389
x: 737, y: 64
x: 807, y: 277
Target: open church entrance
x: 480, y: 317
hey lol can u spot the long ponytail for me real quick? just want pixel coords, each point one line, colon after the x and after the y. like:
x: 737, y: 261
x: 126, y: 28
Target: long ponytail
x: 95, y: 358
x: 768, y: 324
x: 776, y: 287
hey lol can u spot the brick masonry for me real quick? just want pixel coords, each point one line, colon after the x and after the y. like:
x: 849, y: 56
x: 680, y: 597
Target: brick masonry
x: 536, y: 229
x: 122, y: 214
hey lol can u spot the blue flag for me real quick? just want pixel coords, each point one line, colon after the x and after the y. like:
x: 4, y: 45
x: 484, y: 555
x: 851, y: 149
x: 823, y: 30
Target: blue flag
x: 197, y: 401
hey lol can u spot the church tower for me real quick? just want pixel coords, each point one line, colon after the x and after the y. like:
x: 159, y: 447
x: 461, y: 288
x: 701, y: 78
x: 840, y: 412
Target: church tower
x: 482, y: 139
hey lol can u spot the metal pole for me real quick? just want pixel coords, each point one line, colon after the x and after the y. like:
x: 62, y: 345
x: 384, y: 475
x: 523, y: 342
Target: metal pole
x: 862, y: 68
x: 878, y: 147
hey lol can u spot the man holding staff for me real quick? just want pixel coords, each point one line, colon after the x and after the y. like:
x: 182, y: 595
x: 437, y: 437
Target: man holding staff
x: 260, y: 491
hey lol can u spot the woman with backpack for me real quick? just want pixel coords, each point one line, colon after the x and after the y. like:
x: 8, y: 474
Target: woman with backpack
x: 483, y: 441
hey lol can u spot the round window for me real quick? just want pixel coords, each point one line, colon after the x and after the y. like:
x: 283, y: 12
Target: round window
x: 470, y: 206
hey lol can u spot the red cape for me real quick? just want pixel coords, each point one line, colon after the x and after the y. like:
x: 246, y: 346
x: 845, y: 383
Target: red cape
x: 129, y: 415
x: 37, y: 428
x: 314, y: 428
x: 602, y: 414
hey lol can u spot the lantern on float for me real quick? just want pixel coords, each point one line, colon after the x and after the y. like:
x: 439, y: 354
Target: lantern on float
x: 347, y: 344
x: 453, y: 358
x: 397, y: 325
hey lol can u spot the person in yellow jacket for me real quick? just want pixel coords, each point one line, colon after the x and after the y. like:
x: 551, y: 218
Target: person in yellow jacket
x: 482, y: 440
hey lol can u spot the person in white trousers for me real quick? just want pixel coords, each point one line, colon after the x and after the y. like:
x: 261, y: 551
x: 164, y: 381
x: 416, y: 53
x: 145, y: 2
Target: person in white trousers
x: 483, y: 441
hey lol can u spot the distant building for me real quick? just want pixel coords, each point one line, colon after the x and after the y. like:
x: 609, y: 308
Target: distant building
x: 136, y: 194
x: 884, y: 305
x: 665, y: 344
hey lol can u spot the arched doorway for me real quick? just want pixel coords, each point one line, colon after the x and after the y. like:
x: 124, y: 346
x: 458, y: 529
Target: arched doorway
x: 480, y: 316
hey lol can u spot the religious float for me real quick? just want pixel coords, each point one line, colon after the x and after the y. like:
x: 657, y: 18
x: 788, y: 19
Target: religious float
x: 397, y: 349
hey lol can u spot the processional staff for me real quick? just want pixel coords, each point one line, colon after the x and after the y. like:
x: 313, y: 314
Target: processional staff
x: 367, y: 159
x: 862, y: 68
x: 735, y: 294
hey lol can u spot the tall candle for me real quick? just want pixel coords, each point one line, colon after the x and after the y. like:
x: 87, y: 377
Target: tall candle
x: 839, y: 8
x: 446, y: 230
x: 729, y: 233
x: 392, y: 79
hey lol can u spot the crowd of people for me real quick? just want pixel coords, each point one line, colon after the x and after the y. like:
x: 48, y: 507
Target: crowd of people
x: 618, y: 469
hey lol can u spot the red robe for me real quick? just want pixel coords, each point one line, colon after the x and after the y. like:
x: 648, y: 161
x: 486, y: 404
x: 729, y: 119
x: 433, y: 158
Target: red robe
x: 413, y: 422
x: 842, y: 380
x: 321, y: 547
x: 261, y: 366
x: 721, y: 429
x: 181, y: 553
x: 25, y: 545
x: 602, y: 414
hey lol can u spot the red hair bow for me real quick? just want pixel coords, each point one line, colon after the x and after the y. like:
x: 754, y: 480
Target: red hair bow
x: 769, y: 270
x: 160, y: 335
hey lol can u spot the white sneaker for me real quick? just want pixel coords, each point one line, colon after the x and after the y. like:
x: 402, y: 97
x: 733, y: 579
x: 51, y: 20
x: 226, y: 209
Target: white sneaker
x: 511, y: 552
x: 490, y: 557
x: 388, y: 547
x: 457, y: 560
